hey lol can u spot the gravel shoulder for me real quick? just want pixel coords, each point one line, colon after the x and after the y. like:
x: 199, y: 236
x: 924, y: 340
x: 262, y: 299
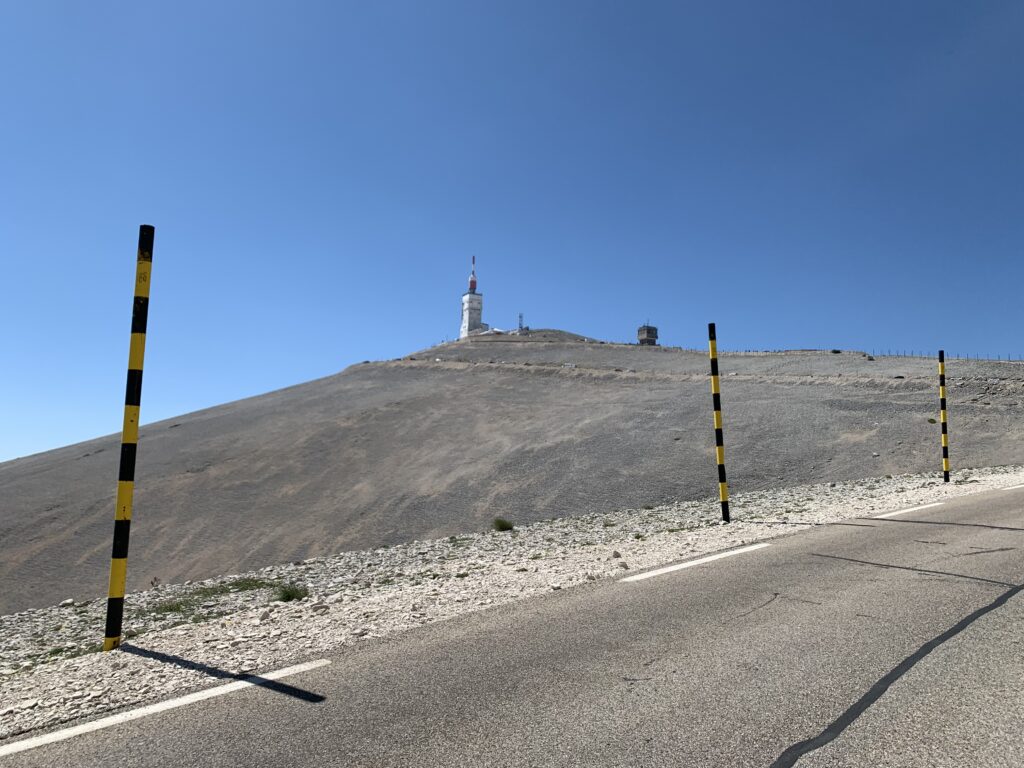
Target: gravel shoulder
x: 188, y: 636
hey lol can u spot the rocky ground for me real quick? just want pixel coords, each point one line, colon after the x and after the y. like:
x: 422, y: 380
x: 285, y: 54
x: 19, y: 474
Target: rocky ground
x: 442, y: 441
x: 193, y: 635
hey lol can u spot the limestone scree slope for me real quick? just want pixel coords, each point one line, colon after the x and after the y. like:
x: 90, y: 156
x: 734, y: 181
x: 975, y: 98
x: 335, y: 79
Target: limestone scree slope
x: 443, y: 441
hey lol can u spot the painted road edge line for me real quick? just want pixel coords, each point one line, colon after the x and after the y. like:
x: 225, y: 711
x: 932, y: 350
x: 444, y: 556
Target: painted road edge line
x: 152, y: 709
x: 691, y: 563
x: 911, y: 509
x: 1013, y: 487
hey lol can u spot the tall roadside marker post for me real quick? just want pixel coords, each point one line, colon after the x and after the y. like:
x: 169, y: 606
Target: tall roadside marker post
x: 129, y: 442
x: 716, y: 398
x: 943, y: 417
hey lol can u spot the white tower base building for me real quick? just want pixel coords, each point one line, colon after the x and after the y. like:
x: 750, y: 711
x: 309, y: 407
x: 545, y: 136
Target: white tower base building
x: 472, y: 309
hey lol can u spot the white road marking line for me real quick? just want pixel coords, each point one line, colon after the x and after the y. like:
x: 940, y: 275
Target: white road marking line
x: 691, y: 563
x: 1013, y: 487
x: 152, y: 709
x: 912, y: 509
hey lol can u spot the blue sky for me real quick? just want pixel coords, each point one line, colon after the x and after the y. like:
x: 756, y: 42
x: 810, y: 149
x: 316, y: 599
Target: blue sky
x: 805, y: 174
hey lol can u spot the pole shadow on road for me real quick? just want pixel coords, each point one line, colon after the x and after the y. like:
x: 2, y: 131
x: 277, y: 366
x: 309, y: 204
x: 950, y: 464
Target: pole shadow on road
x: 223, y: 674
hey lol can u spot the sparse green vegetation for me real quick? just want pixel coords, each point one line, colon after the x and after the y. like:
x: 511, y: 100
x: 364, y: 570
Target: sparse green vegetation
x: 246, y: 583
x: 931, y: 421
x: 70, y: 653
x: 188, y: 606
x: 288, y: 592
x: 170, y: 606
x: 501, y: 524
x: 213, y: 590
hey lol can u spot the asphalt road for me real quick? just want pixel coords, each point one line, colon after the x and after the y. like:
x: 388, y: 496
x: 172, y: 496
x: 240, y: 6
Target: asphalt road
x: 896, y: 642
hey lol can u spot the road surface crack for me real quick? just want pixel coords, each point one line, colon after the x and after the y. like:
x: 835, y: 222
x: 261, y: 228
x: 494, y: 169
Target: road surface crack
x: 800, y: 600
x: 915, y: 570
x: 775, y: 596
x: 985, y: 551
x: 834, y: 729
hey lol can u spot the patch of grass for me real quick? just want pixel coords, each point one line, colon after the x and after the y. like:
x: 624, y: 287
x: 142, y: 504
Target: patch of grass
x: 247, y: 583
x: 501, y: 524
x: 288, y: 592
x: 931, y: 421
x: 96, y: 648
x: 214, y: 590
x: 170, y: 606
x: 638, y: 536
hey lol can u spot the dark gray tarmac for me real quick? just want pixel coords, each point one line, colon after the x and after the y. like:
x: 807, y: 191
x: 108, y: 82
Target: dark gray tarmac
x: 886, y: 642
x: 443, y: 443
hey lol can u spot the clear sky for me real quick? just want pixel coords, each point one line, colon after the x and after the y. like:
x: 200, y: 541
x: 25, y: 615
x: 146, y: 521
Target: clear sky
x: 805, y: 174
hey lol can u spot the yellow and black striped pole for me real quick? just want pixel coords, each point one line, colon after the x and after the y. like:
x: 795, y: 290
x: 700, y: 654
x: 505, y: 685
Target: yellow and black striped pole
x: 129, y: 442
x: 942, y: 416
x: 716, y: 397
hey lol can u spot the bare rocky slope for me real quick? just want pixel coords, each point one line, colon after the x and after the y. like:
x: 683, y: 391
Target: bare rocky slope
x: 443, y: 441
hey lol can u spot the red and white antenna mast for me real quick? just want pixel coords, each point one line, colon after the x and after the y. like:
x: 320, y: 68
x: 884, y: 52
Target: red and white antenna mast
x: 472, y: 277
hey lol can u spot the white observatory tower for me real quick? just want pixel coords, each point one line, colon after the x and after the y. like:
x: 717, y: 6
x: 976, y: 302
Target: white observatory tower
x: 472, y: 308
